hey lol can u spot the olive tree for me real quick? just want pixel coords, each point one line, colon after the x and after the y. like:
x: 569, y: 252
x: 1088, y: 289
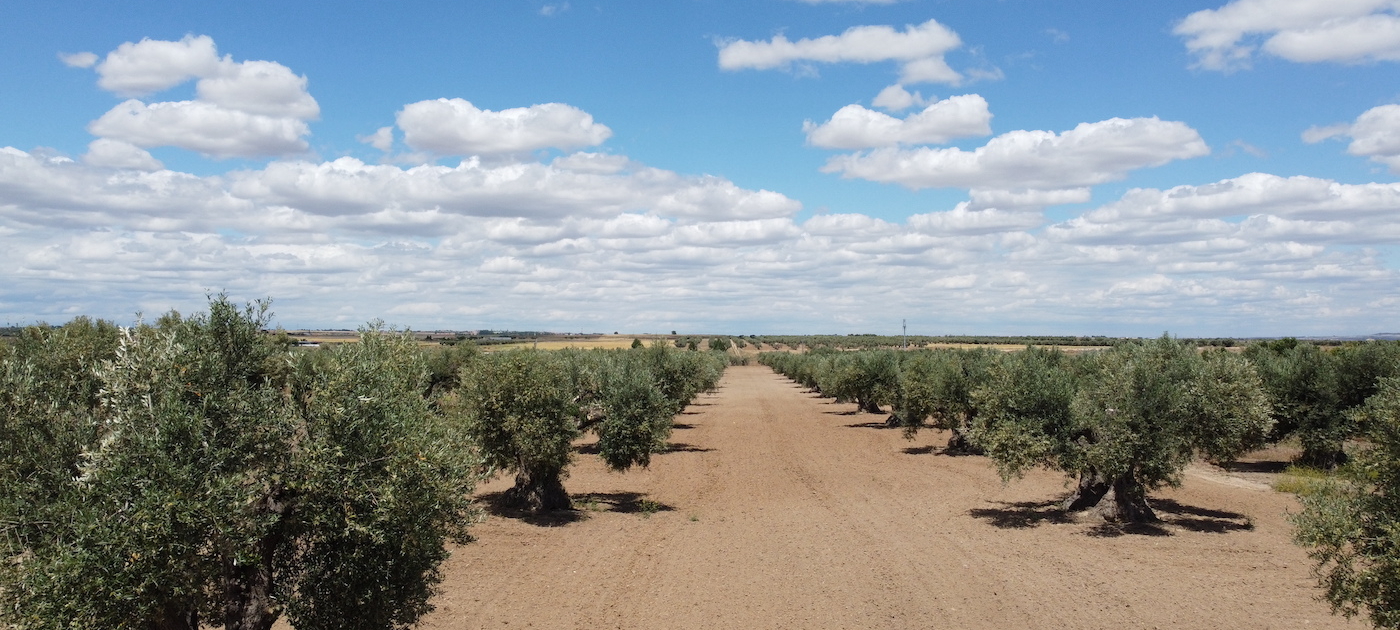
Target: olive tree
x: 1302, y: 382
x: 1352, y: 526
x: 869, y: 378
x: 1313, y: 391
x: 1124, y: 421
x: 520, y: 408
x: 227, y: 483
x: 937, y: 386
x: 526, y: 408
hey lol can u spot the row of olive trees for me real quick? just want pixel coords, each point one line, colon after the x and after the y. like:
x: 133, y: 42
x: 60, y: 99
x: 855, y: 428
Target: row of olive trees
x: 199, y: 471
x: 525, y: 409
x: 1129, y: 419
x: 196, y: 472
x: 1315, y: 391
x: 1122, y: 421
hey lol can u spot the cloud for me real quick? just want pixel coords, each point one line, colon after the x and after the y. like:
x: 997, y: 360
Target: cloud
x: 121, y: 155
x: 592, y: 241
x: 960, y: 220
x: 78, y: 60
x: 855, y: 127
x: 203, y: 127
x: 1297, y: 197
x: 919, y: 49
x: 241, y: 109
x: 550, y: 10
x: 149, y: 66
x: 382, y: 139
x: 1091, y: 153
x: 1343, y: 31
x: 264, y: 88
x: 1026, y: 199
x: 456, y: 127
x: 896, y: 99
x: 1375, y: 134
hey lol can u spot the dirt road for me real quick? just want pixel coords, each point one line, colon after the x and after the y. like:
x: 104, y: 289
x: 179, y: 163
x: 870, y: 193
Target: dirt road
x: 778, y: 509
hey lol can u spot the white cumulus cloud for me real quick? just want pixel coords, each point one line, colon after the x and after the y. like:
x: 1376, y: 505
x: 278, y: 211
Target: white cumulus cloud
x: 456, y: 127
x: 382, y: 139
x: 897, y: 99
x: 203, y: 127
x: 1305, y: 31
x: 1091, y: 153
x: 855, y: 127
x: 1374, y: 134
x: 919, y: 49
x: 147, y: 66
x: 265, y: 88
x: 123, y: 155
x: 241, y: 109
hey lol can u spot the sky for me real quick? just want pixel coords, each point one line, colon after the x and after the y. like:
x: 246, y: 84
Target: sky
x: 1203, y: 168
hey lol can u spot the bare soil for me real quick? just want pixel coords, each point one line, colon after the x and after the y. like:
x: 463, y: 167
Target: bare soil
x: 779, y: 509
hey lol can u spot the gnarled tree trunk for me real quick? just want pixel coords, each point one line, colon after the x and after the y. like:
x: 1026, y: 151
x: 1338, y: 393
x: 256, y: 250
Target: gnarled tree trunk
x: 1126, y: 502
x: 1092, y: 487
x: 539, y: 491
x: 869, y: 406
x: 248, y: 603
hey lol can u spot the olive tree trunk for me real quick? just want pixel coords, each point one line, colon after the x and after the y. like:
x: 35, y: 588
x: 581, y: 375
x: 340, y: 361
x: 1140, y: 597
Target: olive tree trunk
x: 959, y: 444
x: 539, y: 491
x: 248, y: 603
x: 1126, y: 502
x: 1092, y: 486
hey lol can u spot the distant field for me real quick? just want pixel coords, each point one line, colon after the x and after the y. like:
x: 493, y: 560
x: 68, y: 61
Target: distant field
x: 1008, y: 347
x: 606, y: 342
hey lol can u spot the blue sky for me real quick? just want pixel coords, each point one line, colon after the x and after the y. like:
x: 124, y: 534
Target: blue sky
x: 1017, y: 167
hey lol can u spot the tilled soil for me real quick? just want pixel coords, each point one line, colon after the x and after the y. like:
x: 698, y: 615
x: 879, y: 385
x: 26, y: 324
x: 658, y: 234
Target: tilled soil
x: 780, y: 509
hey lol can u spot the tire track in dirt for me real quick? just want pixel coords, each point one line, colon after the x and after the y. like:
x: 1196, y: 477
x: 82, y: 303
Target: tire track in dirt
x: 785, y: 510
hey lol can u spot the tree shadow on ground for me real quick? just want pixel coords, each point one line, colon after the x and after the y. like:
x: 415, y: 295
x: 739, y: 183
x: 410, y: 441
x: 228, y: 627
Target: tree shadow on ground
x: 681, y: 426
x: 682, y: 447
x: 671, y: 447
x: 1022, y: 514
x: 918, y: 450
x: 1173, y: 515
x: 1256, y: 467
x: 1199, y: 519
x: 871, y: 425
x: 585, y: 504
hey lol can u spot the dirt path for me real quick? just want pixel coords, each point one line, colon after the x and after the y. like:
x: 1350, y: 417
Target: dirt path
x: 778, y: 509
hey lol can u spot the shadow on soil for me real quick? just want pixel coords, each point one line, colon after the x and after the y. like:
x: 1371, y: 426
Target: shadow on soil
x: 671, y: 447
x: 681, y: 426
x: 584, y: 505
x: 1256, y: 467
x: 682, y: 447
x: 937, y: 450
x: 879, y: 424
x: 1174, y: 515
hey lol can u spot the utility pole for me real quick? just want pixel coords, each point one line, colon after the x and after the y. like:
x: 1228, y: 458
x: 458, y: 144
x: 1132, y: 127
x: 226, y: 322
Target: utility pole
x: 905, y: 324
